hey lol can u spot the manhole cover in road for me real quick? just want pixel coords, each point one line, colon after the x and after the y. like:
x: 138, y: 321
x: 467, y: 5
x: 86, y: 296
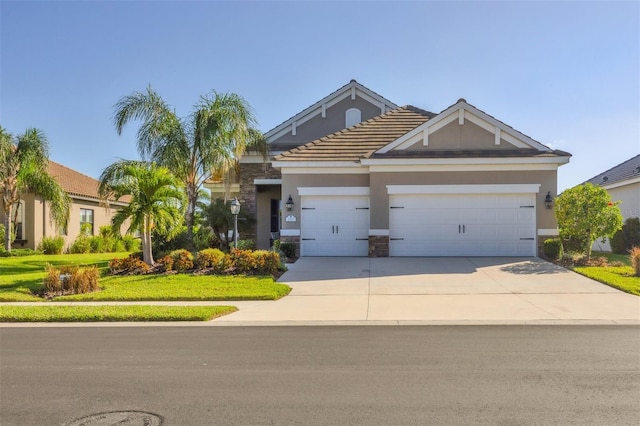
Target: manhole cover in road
x: 121, y: 418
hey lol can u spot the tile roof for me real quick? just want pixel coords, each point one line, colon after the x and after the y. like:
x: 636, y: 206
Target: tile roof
x: 627, y: 170
x: 75, y: 183
x: 362, y: 139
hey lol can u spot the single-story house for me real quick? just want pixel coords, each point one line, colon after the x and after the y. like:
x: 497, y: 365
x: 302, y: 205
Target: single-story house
x: 33, y: 220
x: 402, y: 181
x: 622, y: 182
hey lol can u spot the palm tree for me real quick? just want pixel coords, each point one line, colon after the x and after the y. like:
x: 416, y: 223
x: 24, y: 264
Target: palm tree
x: 154, y: 204
x: 24, y: 168
x: 217, y: 215
x: 211, y: 139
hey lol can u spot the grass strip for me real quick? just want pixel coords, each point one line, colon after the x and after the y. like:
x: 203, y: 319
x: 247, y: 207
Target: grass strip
x: 111, y: 313
x: 620, y: 277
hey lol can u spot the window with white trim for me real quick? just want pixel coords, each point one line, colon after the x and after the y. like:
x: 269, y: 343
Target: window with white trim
x: 86, y: 221
x: 353, y: 116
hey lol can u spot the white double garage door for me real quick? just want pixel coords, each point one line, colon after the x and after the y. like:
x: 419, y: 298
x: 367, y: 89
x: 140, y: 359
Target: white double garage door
x: 493, y: 222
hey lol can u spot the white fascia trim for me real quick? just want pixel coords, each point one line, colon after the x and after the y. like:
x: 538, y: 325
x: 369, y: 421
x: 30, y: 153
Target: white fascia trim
x: 378, y: 232
x: 315, y: 164
x: 252, y: 158
x: 461, y: 168
x: 463, y: 189
x: 334, y: 190
x: 623, y: 183
x: 267, y: 181
x: 465, y: 160
x: 548, y: 232
x: 328, y: 100
x: 289, y: 232
x: 325, y: 171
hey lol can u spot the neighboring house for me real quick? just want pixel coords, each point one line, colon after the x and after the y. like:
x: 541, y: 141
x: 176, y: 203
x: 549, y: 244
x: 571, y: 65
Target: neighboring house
x: 622, y: 182
x: 403, y: 182
x: 33, y: 212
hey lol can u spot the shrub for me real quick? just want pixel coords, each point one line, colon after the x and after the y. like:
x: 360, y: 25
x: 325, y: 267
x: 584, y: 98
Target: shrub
x: 553, y: 248
x: 166, y: 263
x: 182, y: 260
x: 131, y: 243
x: 212, y: 258
x: 133, y: 264
x: 105, y: 231
x: 289, y: 250
x: 245, y: 245
x: 70, y: 280
x: 242, y: 260
x: 51, y: 245
x: 635, y: 260
x: 82, y: 244
x: 627, y: 237
x: 266, y: 262
x: 97, y: 244
x: 19, y: 252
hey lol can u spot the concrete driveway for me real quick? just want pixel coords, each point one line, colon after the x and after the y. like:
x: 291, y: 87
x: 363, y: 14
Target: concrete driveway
x: 433, y: 290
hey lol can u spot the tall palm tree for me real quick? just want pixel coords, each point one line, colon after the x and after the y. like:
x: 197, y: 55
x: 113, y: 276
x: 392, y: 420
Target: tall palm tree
x: 211, y: 139
x: 154, y: 204
x: 24, y: 168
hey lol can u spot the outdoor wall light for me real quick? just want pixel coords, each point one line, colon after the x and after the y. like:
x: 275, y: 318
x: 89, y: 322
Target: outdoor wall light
x: 289, y: 204
x: 235, y: 209
x: 548, y: 201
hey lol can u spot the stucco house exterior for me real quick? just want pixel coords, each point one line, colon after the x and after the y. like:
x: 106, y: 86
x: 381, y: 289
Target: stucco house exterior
x: 401, y: 181
x: 622, y: 182
x: 33, y: 213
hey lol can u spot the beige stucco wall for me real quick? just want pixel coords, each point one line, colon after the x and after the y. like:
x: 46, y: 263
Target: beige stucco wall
x: 630, y: 197
x: 380, y: 198
x: 467, y: 136
x: 334, y: 121
x: 291, y: 183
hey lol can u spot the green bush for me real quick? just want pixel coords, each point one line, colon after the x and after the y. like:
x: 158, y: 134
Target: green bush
x: 212, y: 258
x: 242, y: 261
x: 131, y: 243
x: 553, y: 248
x: 97, y: 244
x: 19, y: 252
x: 245, y: 245
x: 182, y: 260
x: 266, y: 262
x: 82, y: 244
x: 627, y: 237
x: 289, y: 250
x: 51, y: 245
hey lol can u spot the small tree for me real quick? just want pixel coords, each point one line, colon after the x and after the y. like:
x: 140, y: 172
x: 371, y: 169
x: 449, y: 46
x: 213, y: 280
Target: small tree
x: 586, y: 213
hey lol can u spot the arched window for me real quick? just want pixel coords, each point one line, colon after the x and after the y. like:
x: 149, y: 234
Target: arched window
x: 352, y: 117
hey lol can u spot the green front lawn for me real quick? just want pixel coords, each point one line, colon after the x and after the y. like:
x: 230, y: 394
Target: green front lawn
x: 620, y: 277
x: 20, y: 276
x: 50, y: 313
x: 612, y: 257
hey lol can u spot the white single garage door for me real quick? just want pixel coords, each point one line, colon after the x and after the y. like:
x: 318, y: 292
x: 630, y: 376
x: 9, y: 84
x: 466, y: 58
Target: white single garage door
x: 462, y: 225
x: 334, y: 225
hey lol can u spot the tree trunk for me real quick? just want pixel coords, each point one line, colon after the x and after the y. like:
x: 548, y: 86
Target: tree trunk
x: 147, y: 253
x: 7, y: 230
x: 192, y: 200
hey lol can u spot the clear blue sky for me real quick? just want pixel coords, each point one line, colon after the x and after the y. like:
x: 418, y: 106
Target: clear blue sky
x: 565, y: 73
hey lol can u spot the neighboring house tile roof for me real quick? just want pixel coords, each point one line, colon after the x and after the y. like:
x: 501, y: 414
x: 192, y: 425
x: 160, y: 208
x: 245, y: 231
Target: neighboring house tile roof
x: 75, y: 183
x: 627, y: 170
x: 360, y: 140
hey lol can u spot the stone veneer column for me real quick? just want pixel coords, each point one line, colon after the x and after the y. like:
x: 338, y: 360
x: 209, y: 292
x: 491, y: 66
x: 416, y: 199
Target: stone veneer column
x: 379, y: 246
x: 248, y: 195
x: 293, y: 240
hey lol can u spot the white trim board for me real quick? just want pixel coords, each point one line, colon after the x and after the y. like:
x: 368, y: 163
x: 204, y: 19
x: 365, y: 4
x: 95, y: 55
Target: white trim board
x: 378, y: 232
x: 334, y: 190
x: 289, y: 232
x: 464, y: 189
x: 267, y: 181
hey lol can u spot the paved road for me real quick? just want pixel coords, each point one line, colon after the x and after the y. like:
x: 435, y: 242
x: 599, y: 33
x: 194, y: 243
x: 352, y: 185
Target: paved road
x: 324, y: 375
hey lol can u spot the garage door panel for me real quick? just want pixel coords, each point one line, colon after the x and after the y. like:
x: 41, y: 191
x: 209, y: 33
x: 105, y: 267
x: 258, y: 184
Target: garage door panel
x: 334, y: 226
x: 462, y: 225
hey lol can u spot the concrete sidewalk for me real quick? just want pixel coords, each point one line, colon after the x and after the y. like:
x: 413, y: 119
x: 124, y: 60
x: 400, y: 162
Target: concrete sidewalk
x: 435, y: 290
